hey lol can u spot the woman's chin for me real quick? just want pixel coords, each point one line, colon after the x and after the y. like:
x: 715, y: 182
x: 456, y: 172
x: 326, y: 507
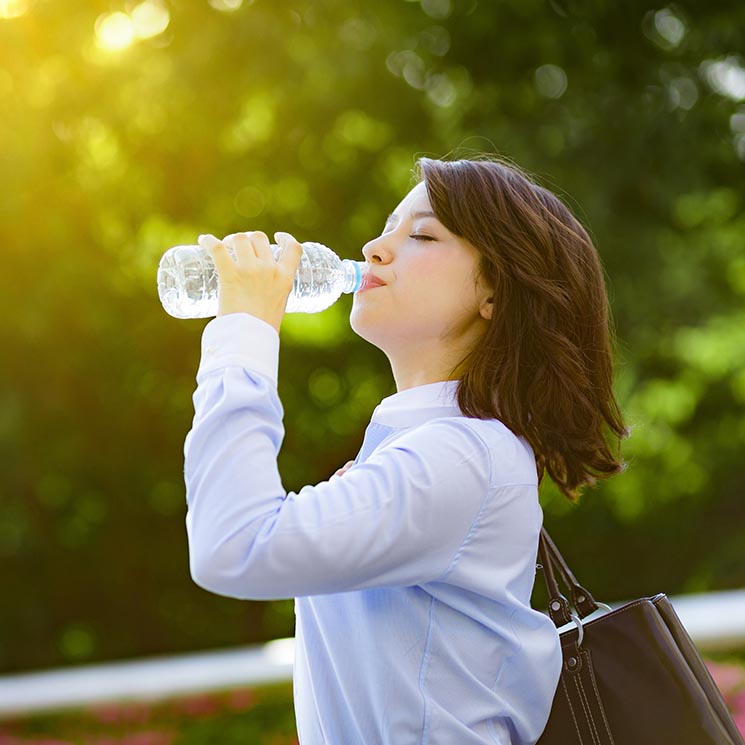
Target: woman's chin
x: 358, y: 321
x: 364, y: 324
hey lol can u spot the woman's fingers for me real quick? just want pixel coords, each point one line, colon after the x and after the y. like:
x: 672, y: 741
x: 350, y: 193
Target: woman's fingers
x: 291, y: 253
x: 262, y: 248
x: 218, y: 251
x: 250, y: 280
x: 341, y: 471
x: 249, y: 246
x: 255, y: 244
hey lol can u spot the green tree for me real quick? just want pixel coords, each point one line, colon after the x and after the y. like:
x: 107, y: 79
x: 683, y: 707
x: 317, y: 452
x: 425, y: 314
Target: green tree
x: 131, y: 127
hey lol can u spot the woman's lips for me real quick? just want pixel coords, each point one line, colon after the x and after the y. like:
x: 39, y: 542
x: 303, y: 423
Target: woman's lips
x: 370, y: 281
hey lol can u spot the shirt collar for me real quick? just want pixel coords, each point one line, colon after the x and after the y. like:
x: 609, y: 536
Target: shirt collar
x: 415, y: 405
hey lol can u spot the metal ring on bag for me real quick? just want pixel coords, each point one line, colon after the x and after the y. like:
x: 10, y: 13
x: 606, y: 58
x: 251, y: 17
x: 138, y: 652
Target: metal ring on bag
x: 580, y: 630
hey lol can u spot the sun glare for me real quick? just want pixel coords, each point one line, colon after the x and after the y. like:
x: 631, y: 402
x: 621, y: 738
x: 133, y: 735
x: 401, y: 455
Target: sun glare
x: 13, y: 8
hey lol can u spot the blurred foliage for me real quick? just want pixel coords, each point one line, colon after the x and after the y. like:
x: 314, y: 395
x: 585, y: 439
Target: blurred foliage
x: 129, y: 127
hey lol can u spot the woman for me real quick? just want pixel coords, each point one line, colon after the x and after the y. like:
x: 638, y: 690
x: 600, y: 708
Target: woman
x: 412, y: 568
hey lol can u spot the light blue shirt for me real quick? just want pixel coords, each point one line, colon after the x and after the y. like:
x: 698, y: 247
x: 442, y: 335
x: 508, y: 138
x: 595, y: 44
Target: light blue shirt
x: 412, y: 573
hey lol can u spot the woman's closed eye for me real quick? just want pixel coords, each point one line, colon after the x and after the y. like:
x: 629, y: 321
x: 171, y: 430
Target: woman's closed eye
x: 422, y: 237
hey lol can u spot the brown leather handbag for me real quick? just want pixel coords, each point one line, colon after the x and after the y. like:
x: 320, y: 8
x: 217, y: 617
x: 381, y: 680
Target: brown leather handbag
x: 631, y: 676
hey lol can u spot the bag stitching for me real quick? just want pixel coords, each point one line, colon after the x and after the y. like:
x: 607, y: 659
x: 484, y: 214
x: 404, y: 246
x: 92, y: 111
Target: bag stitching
x: 571, y: 710
x: 595, y: 686
x: 588, y: 712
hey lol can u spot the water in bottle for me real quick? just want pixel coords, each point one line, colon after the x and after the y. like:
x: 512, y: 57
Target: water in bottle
x: 187, y: 280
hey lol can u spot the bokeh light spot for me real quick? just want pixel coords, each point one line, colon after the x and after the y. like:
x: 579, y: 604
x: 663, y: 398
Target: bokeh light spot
x: 325, y: 386
x: 437, y: 8
x: 683, y: 93
x: 249, y: 202
x: 737, y: 121
x: 551, y: 81
x: 664, y: 28
x: 436, y: 39
x: 114, y: 31
x: 226, y: 6
x: 441, y: 91
x: 669, y: 27
x: 254, y: 125
x: 77, y: 643
x: 358, y: 34
x: 13, y: 8
x: 150, y: 18
x: 357, y: 128
x: 726, y: 76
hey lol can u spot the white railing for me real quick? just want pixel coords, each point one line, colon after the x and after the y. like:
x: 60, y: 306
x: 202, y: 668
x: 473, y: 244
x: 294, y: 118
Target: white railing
x: 715, y: 621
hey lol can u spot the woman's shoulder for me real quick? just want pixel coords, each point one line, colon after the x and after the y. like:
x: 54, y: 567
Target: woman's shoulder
x: 510, y: 458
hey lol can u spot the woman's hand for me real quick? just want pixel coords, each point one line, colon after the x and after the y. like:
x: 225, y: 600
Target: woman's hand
x: 341, y: 471
x: 254, y: 282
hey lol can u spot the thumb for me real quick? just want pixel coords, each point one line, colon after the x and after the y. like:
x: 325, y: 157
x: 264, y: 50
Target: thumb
x: 291, y: 252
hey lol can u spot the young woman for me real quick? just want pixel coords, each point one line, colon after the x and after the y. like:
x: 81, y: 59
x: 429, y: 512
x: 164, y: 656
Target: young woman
x: 412, y: 568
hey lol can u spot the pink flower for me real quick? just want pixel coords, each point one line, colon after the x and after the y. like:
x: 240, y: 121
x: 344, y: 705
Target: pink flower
x: 728, y: 677
x: 739, y: 717
x: 199, y: 706
x: 241, y: 699
x: 107, y: 713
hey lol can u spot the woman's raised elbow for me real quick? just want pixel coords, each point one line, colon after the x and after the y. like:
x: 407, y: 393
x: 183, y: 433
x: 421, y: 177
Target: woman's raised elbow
x: 216, y: 573
x: 221, y: 574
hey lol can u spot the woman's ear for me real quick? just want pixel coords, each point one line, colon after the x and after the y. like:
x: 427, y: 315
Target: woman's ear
x: 486, y: 308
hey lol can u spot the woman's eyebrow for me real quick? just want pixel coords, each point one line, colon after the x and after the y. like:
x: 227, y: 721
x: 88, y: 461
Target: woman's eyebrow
x: 393, y: 217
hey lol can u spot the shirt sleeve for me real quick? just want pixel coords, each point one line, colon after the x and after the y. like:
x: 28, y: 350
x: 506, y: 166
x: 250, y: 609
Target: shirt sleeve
x: 400, y: 518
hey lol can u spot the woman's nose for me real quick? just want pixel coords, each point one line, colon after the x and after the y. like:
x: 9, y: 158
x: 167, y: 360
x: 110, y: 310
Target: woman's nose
x: 376, y: 251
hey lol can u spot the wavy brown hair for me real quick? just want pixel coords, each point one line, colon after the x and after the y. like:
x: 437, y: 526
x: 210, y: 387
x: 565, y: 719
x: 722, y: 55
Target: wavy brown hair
x: 544, y: 366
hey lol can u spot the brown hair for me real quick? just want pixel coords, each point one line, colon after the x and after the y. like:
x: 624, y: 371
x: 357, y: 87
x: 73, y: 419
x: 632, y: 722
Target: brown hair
x: 544, y: 366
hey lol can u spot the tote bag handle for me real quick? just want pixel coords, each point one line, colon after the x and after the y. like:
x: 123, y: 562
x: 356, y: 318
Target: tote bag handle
x: 559, y: 608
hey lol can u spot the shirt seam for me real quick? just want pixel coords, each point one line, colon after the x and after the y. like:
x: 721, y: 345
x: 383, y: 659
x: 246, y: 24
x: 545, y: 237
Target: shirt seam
x: 487, y: 498
x: 422, y: 671
x: 474, y: 525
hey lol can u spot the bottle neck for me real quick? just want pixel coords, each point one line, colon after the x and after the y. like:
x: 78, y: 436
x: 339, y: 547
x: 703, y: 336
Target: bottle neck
x: 353, y: 271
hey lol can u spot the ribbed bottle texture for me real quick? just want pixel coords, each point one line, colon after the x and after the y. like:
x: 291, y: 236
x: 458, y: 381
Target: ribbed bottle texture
x: 187, y: 280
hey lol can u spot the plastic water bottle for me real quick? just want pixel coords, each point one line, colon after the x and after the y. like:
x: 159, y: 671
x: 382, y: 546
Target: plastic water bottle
x: 187, y: 280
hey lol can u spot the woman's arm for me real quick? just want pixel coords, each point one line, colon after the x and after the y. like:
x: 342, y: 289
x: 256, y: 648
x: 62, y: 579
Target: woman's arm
x: 399, y: 518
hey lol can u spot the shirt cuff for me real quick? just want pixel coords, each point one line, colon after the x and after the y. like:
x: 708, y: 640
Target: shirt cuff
x: 239, y: 340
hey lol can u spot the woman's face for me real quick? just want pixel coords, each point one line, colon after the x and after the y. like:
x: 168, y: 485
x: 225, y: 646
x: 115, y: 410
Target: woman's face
x: 430, y: 294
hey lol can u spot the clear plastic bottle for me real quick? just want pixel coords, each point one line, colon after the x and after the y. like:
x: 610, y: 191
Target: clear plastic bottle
x: 187, y: 280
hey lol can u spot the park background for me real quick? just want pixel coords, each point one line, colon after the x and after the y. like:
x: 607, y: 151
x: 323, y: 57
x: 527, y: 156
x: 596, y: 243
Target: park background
x: 129, y: 127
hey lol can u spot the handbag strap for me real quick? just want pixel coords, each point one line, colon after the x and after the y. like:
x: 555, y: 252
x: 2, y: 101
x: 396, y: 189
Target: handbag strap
x: 559, y: 608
